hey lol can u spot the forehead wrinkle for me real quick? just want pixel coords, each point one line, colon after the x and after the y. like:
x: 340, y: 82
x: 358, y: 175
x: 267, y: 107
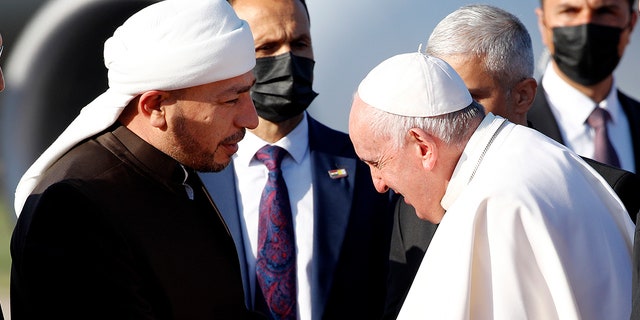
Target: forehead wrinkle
x: 275, y: 31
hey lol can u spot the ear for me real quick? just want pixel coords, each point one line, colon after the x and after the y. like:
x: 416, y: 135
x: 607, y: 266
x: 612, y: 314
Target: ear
x: 425, y: 146
x: 151, y: 107
x: 523, y: 95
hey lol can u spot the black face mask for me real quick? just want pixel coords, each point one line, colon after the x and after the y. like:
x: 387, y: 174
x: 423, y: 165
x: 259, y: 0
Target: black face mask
x: 586, y: 53
x: 283, y: 86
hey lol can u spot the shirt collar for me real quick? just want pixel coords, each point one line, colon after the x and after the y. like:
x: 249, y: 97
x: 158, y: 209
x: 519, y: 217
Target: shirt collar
x: 296, y: 143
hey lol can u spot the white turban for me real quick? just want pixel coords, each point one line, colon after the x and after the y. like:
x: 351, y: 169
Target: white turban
x: 414, y: 85
x: 172, y: 44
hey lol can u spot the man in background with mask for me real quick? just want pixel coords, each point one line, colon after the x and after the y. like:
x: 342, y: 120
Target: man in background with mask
x: 332, y: 234
x: 586, y: 40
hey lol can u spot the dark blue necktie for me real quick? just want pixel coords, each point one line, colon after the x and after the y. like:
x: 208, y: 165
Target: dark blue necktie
x: 276, y: 260
x: 603, y: 149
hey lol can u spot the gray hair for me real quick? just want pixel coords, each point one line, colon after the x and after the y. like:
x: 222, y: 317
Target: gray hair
x: 453, y: 128
x: 496, y: 36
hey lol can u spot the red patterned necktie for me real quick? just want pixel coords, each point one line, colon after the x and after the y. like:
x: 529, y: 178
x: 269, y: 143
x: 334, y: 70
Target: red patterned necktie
x: 603, y: 149
x: 276, y: 260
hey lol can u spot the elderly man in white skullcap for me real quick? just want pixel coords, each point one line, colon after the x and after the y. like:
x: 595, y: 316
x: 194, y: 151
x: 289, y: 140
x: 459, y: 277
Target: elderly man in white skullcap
x: 114, y: 223
x: 527, y: 230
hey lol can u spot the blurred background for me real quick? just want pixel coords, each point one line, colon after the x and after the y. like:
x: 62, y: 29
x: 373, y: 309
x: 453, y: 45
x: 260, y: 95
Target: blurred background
x: 52, y: 63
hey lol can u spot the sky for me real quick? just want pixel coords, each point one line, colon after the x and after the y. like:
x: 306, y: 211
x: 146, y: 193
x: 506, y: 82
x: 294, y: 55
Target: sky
x: 351, y: 37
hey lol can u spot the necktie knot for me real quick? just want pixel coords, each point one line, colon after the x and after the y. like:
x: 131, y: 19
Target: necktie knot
x: 271, y: 156
x: 598, y: 118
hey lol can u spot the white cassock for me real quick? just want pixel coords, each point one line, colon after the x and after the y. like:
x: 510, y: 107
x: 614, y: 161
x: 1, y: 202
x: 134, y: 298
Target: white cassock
x: 530, y: 232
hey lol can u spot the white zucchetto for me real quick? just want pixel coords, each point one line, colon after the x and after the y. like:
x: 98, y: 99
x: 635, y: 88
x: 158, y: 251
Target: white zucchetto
x: 414, y: 85
x: 172, y: 44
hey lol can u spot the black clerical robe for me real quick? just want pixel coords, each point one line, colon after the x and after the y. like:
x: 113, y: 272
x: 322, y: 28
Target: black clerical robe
x: 112, y: 233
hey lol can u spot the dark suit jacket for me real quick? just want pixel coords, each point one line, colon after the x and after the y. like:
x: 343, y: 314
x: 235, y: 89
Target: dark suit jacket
x: 352, y: 229
x: 110, y: 233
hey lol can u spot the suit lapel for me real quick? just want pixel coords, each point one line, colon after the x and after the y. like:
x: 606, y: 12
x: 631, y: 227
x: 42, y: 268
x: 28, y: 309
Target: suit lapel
x: 332, y: 205
x: 541, y: 117
x: 632, y: 110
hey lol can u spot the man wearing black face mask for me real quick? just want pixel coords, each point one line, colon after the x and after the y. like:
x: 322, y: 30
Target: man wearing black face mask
x: 586, y: 39
x: 337, y: 224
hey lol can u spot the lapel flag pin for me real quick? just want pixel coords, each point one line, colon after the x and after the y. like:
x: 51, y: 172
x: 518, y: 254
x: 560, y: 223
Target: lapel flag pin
x: 337, y: 173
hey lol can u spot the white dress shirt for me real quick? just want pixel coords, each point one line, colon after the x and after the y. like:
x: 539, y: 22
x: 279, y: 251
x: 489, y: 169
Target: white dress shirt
x: 571, y: 109
x: 252, y: 177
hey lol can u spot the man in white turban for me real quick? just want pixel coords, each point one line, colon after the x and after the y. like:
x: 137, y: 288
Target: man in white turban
x: 113, y: 221
x: 527, y: 230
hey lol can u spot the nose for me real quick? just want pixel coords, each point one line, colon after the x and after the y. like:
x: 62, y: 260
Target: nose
x: 247, y: 118
x: 379, y: 183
